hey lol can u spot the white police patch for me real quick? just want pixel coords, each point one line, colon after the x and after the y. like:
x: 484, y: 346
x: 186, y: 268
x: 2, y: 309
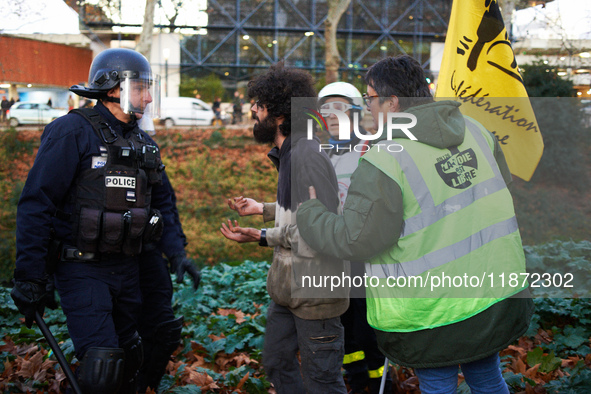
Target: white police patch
x: 120, y: 181
x: 98, y: 162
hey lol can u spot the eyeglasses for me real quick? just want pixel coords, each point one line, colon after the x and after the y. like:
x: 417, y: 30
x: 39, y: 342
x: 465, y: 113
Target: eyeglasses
x: 339, y: 106
x: 367, y: 98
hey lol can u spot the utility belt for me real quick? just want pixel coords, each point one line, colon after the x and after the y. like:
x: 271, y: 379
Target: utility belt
x: 59, y: 252
x: 118, y: 232
x: 70, y: 253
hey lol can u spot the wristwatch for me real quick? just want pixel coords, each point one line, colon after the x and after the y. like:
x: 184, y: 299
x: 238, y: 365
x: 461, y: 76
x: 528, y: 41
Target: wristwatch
x: 263, y: 239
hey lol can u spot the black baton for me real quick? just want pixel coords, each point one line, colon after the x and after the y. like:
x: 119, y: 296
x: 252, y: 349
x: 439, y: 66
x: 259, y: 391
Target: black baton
x: 58, y: 352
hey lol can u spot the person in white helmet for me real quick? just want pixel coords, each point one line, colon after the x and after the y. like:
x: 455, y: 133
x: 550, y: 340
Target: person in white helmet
x: 363, y: 361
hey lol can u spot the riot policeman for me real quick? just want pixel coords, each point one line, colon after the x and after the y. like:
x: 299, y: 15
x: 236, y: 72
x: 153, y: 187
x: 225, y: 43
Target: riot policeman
x: 96, y: 195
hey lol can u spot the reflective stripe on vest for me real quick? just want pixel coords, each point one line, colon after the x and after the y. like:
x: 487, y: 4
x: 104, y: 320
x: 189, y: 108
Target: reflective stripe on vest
x: 376, y: 373
x: 431, y: 213
x: 352, y: 357
x: 467, y: 229
x: 445, y: 255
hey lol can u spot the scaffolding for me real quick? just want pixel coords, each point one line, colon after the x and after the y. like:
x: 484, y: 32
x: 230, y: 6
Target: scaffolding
x: 243, y: 36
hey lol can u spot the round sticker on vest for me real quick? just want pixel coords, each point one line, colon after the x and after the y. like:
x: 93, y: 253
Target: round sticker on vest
x: 457, y: 169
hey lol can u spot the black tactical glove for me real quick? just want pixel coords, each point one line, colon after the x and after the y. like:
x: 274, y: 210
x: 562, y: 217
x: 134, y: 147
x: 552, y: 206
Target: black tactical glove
x: 181, y: 264
x: 29, y: 297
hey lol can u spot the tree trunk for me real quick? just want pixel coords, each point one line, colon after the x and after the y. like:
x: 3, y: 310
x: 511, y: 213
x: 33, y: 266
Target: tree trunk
x: 507, y: 8
x: 144, y: 45
x: 336, y: 8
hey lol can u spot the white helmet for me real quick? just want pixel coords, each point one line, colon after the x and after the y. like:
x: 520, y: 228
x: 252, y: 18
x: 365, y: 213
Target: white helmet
x: 343, y: 89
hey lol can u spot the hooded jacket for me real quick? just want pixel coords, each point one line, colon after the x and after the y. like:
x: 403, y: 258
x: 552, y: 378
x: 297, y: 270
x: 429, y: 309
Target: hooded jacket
x: 372, y: 223
x: 296, y: 267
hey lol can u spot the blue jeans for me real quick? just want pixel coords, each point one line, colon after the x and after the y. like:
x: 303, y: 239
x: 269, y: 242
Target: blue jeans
x: 320, y: 343
x: 482, y: 376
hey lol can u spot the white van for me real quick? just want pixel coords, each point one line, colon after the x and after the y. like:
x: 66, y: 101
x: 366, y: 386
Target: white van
x: 185, y: 111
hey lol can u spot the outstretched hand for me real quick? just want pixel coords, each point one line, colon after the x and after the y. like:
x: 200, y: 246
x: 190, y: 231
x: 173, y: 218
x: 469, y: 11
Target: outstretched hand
x: 240, y: 234
x: 245, y: 206
x: 312, y: 192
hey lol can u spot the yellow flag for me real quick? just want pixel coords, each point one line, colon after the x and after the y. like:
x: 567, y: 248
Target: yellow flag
x: 479, y: 69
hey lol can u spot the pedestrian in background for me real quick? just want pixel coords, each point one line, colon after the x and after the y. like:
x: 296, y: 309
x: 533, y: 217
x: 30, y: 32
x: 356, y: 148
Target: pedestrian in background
x: 5, y: 106
x: 237, y: 107
x: 217, y: 111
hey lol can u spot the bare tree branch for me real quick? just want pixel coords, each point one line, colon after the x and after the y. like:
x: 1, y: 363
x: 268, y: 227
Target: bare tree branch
x: 507, y: 9
x: 145, y: 42
x: 336, y: 8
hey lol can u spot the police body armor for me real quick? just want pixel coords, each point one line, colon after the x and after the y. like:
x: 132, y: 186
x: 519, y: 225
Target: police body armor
x: 112, y: 200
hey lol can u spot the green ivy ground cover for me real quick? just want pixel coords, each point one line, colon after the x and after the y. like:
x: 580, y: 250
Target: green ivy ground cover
x: 225, y: 326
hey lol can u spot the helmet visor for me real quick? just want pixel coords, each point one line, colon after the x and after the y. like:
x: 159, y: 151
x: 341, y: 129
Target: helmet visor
x: 338, y: 105
x: 140, y: 93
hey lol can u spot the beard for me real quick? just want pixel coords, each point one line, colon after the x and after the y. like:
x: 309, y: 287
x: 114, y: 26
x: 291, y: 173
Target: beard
x: 264, y: 131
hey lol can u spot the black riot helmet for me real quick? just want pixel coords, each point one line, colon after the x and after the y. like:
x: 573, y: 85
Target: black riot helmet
x: 132, y: 72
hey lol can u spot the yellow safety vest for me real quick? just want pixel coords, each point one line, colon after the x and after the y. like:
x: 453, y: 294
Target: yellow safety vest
x: 459, y: 250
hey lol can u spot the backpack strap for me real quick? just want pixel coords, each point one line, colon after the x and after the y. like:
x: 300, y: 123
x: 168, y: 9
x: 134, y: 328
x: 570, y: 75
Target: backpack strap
x: 100, y: 126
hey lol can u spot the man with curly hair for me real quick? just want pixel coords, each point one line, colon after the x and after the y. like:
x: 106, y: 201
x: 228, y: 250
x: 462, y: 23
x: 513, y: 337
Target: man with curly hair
x: 298, y: 318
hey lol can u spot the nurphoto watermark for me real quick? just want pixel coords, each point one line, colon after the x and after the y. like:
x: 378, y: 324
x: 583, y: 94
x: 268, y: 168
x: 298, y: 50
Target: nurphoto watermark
x: 349, y: 127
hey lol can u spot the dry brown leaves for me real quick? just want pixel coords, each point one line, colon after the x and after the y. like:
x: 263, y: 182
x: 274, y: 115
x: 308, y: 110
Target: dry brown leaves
x: 238, y: 314
x: 195, y: 361
x: 29, y: 366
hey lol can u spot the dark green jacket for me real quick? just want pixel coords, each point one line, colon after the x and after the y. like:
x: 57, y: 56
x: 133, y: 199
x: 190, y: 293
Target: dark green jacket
x: 371, y: 223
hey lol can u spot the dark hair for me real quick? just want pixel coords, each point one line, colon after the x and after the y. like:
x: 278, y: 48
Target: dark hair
x: 276, y: 87
x: 401, y: 76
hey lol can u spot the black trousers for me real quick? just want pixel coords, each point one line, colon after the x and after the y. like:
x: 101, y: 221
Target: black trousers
x: 363, y: 360
x: 156, y: 293
x: 101, y: 301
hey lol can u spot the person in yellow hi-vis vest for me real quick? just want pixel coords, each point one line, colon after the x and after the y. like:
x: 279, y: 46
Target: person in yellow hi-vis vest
x: 429, y: 211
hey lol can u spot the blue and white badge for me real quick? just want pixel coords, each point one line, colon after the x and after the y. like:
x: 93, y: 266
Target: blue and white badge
x: 98, y: 161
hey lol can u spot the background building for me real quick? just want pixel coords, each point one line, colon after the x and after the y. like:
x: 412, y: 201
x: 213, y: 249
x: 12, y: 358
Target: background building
x: 557, y: 33
x: 42, y: 51
x: 235, y: 39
